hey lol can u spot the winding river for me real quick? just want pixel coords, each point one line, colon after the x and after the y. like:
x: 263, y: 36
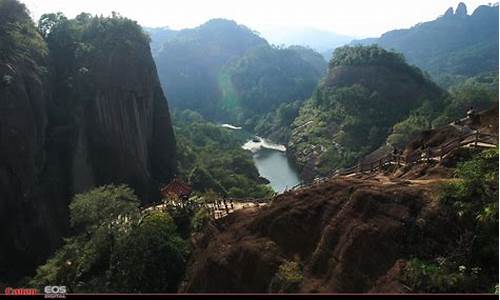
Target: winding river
x: 273, y: 164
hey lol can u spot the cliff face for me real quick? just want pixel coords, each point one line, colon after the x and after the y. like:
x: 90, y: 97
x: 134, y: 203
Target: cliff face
x: 71, y: 122
x: 24, y: 95
x: 121, y: 121
x: 347, y: 235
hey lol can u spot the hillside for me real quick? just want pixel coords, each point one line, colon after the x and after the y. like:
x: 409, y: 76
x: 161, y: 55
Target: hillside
x: 188, y: 65
x: 229, y: 73
x: 451, y: 48
x: 81, y: 107
x: 345, y: 235
x: 379, y: 233
x: 159, y: 36
x: 259, y: 81
x: 366, y: 92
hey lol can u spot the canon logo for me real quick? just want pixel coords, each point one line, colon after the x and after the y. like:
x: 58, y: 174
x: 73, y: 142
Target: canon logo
x: 20, y: 292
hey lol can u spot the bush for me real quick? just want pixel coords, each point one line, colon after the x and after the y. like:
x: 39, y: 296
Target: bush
x: 200, y: 220
x: 288, y: 278
x: 431, y: 277
x: 472, y: 263
x: 151, y: 258
x: 117, y: 248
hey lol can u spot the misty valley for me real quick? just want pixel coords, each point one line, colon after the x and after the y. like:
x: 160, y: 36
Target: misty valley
x: 140, y: 159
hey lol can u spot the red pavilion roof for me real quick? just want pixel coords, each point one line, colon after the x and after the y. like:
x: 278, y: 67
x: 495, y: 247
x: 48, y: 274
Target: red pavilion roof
x: 176, y: 187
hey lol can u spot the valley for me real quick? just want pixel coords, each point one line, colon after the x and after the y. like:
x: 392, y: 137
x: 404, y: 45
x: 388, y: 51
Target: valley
x: 136, y: 159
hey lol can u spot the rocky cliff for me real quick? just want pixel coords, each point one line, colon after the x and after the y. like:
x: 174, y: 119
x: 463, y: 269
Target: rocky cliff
x: 24, y: 95
x: 79, y: 108
x: 346, y: 235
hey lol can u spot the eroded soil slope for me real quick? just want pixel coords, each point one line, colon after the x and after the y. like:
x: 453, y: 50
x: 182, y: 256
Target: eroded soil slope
x: 349, y: 235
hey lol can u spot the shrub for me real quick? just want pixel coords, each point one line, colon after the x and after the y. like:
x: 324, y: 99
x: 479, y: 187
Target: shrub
x: 117, y: 248
x: 151, y: 258
x: 431, y: 277
x: 472, y: 264
x: 288, y: 278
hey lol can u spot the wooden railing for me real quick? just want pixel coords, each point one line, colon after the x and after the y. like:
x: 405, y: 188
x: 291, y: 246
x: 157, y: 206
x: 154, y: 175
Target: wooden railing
x: 474, y: 139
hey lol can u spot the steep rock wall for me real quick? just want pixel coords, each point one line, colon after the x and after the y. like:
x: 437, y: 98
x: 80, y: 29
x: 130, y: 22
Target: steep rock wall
x: 102, y: 119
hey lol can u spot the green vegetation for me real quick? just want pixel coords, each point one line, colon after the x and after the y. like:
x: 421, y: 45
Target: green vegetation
x: 19, y: 39
x: 189, y: 63
x: 267, y: 76
x: 226, y: 72
x: 366, y: 92
x: 116, y: 247
x: 369, y: 55
x: 76, y: 45
x: 479, y: 92
x: 276, y: 125
x: 288, y: 278
x: 211, y: 158
x: 471, y: 262
x: 418, y: 121
x: 372, y: 97
x: 451, y: 48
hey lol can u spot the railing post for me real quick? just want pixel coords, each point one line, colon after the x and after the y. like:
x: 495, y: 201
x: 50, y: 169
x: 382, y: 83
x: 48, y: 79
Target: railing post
x: 476, y: 139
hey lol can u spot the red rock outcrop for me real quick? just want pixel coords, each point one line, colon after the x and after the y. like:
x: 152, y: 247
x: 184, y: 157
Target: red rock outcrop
x: 347, y: 234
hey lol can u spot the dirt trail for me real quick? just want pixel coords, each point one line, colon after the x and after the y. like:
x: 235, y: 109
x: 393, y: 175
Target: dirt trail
x: 390, y: 180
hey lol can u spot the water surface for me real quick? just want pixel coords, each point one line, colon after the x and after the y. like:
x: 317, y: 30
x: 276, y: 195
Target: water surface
x: 273, y: 164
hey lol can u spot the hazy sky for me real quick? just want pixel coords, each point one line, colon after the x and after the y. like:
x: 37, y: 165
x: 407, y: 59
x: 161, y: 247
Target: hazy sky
x: 359, y: 18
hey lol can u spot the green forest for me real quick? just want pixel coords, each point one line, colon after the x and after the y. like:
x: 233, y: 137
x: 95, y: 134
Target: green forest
x: 124, y: 165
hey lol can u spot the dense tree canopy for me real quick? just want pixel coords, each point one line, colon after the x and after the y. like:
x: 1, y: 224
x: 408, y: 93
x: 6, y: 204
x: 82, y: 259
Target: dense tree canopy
x: 18, y: 37
x: 229, y: 73
x: 266, y: 76
x: 211, y: 158
x: 367, y: 91
x: 116, y: 248
x: 189, y: 63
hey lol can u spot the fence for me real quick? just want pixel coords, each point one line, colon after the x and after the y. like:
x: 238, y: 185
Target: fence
x: 474, y: 139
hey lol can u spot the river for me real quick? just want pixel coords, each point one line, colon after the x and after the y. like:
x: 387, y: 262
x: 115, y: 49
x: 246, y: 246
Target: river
x: 273, y: 164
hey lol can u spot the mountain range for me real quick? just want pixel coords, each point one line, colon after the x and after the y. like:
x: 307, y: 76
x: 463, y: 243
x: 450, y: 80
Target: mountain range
x: 451, y: 48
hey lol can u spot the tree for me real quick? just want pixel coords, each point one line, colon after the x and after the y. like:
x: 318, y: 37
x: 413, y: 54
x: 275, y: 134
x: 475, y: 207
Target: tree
x: 151, y: 258
x: 103, y: 205
x: 48, y: 21
x: 117, y: 247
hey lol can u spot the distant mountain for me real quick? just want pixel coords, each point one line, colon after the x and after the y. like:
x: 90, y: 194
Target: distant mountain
x: 159, y: 36
x: 452, y: 47
x: 319, y: 40
x: 225, y: 71
x: 266, y: 76
x: 188, y: 63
